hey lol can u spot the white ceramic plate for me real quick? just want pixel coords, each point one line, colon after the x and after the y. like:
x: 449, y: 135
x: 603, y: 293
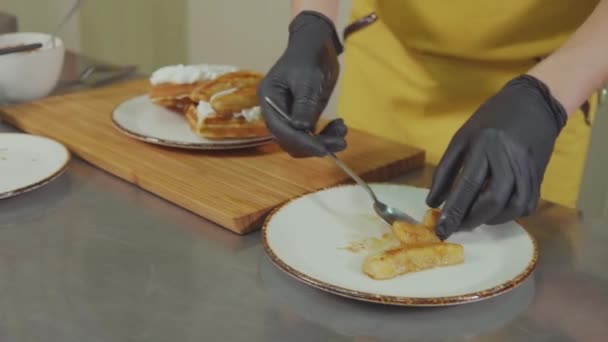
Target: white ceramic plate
x: 307, y: 238
x: 141, y: 119
x: 28, y: 162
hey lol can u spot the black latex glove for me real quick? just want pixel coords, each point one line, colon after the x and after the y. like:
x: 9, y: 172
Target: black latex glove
x: 301, y: 83
x: 502, y: 151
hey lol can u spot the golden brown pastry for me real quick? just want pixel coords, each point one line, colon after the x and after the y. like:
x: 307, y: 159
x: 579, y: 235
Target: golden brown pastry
x: 431, y: 218
x: 227, y: 107
x: 237, y: 79
x: 408, y: 233
x: 222, y: 127
x: 420, y: 249
x: 412, y: 258
x: 171, y: 86
x: 235, y: 101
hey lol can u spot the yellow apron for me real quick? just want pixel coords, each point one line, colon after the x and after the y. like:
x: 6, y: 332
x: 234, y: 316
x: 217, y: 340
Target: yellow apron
x: 421, y: 69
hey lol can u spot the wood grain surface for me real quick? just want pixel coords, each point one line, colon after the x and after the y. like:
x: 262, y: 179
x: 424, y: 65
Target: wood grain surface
x: 234, y: 189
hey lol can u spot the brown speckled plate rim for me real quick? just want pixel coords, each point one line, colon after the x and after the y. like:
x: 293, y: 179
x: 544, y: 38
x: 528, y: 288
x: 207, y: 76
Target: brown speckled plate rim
x: 42, y: 182
x: 393, y: 300
x: 190, y: 146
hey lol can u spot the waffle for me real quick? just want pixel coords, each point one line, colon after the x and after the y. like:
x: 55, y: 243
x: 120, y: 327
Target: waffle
x: 171, y: 86
x: 224, y: 127
x: 237, y: 79
x: 172, y: 96
x: 219, y: 102
x: 227, y: 107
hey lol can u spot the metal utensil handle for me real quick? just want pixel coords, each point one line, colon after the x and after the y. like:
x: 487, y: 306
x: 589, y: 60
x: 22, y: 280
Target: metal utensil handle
x: 22, y: 48
x: 331, y: 155
x: 65, y: 19
x: 352, y: 175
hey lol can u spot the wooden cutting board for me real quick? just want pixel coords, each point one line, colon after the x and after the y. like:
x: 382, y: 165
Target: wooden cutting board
x: 235, y: 189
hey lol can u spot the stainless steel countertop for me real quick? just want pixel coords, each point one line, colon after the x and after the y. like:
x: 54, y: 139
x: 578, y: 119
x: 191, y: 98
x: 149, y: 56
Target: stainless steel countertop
x: 90, y: 257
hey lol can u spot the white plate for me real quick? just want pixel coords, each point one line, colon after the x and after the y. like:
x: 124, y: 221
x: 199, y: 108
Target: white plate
x: 28, y: 162
x: 141, y: 119
x: 307, y: 238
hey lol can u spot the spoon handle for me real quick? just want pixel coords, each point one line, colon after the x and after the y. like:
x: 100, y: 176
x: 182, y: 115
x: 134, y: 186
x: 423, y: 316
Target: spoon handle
x: 352, y: 175
x: 20, y: 48
x: 330, y: 154
x: 65, y: 19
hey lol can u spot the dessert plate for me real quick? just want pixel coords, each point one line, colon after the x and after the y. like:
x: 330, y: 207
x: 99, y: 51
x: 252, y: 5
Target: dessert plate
x: 28, y: 162
x: 312, y: 238
x: 141, y: 119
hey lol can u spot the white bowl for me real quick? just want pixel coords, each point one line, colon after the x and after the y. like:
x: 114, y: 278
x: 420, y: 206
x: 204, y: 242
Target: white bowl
x: 29, y: 75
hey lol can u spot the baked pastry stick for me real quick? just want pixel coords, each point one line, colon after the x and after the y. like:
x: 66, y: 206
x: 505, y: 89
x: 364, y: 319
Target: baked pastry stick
x: 420, y: 249
x: 412, y: 258
x: 408, y: 233
x: 235, y: 101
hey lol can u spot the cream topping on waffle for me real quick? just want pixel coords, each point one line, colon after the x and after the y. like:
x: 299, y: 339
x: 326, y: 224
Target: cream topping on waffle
x: 250, y: 114
x: 204, y: 109
x: 186, y: 74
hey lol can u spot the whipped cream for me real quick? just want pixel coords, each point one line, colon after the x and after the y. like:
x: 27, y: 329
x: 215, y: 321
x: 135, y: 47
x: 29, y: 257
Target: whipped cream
x: 250, y: 114
x: 222, y: 93
x: 204, y: 109
x: 186, y: 74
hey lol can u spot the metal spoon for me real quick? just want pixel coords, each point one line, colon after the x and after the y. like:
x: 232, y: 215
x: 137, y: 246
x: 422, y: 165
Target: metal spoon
x: 386, y: 213
x: 66, y: 18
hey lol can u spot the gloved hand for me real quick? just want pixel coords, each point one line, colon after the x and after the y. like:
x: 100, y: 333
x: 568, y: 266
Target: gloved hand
x: 503, y: 151
x: 301, y: 82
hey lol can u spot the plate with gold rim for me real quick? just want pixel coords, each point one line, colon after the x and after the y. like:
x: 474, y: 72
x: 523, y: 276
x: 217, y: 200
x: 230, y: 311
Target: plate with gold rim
x: 322, y: 240
x: 141, y: 119
x: 28, y: 162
